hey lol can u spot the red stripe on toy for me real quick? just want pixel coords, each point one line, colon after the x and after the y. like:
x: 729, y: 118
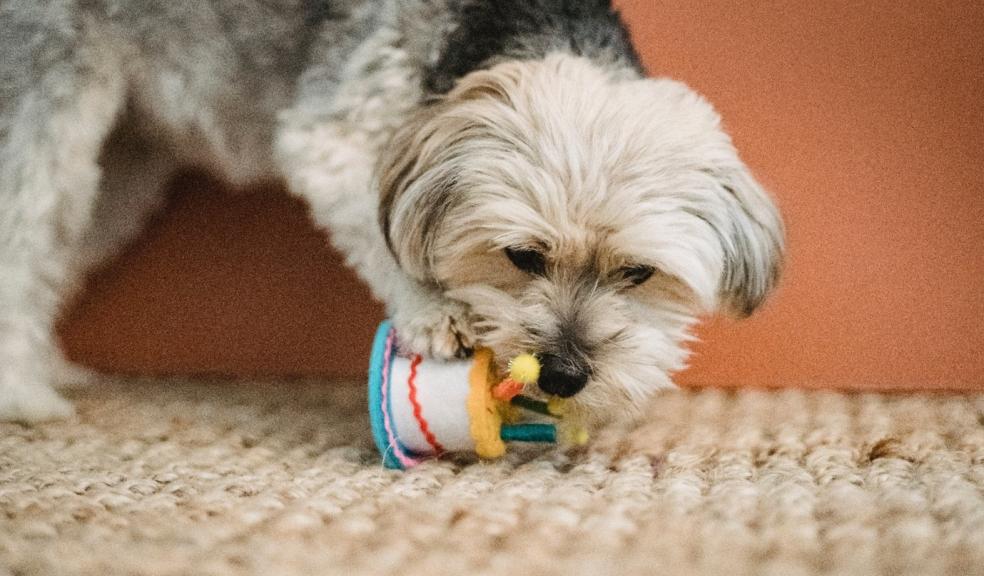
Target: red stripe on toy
x: 417, y: 410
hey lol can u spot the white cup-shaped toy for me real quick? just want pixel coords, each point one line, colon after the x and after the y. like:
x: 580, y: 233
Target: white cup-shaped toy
x: 423, y: 408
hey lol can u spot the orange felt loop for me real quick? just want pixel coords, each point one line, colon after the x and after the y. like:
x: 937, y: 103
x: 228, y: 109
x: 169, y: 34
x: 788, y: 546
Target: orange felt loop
x: 507, y: 390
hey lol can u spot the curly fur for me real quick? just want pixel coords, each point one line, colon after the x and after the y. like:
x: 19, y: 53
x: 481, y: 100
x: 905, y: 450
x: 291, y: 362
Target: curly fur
x: 598, y: 173
x: 428, y: 136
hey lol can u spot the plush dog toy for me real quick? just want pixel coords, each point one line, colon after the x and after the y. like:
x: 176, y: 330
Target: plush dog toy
x: 421, y: 409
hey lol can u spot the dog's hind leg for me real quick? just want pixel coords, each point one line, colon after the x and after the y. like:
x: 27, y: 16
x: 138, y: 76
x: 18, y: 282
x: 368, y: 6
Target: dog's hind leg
x: 137, y: 161
x: 54, y: 117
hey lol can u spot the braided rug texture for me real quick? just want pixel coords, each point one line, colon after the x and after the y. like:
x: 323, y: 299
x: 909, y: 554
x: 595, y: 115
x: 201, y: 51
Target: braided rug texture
x: 279, y: 479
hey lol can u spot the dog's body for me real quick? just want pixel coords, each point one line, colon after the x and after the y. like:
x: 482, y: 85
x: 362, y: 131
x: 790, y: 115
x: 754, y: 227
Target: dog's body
x: 499, y: 173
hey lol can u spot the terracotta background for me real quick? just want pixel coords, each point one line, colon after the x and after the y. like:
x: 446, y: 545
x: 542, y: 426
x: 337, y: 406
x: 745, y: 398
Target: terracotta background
x: 863, y: 118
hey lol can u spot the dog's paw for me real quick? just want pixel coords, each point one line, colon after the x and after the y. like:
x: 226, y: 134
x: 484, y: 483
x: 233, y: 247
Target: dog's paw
x: 439, y: 329
x: 25, y: 400
x: 64, y: 373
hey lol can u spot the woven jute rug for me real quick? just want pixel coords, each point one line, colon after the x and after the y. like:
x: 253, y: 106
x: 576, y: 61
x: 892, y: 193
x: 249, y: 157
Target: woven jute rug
x: 282, y: 479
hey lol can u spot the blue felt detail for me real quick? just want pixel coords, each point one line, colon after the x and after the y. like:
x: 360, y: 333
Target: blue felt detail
x: 528, y: 433
x: 377, y: 365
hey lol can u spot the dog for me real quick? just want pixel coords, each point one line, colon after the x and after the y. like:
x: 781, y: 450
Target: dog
x: 500, y: 173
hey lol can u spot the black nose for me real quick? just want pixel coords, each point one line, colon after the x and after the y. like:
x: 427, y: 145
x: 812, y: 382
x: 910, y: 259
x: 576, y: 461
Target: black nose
x: 561, y: 377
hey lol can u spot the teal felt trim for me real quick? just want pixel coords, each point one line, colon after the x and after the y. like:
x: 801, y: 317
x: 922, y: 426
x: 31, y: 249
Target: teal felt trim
x: 376, y: 368
x: 529, y: 433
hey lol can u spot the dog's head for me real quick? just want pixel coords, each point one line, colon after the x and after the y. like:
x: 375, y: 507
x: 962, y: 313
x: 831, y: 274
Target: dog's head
x: 585, y: 217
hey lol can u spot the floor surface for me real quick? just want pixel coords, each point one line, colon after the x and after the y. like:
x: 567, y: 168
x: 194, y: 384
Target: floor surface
x: 164, y: 478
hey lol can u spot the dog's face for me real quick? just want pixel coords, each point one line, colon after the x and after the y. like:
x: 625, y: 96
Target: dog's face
x: 583, y: 217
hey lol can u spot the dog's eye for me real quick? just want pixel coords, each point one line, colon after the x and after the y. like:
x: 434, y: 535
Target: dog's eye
x: 527, y: 260
x: 637, y: 274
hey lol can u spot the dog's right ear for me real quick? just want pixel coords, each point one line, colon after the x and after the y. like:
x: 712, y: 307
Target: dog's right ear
x: 410, y: 205
x: 419, y: 168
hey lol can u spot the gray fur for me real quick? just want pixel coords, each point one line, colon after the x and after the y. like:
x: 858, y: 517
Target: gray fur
x: 100, y: 100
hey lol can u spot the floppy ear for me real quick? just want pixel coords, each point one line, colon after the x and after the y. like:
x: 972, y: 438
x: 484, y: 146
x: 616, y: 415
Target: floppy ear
x: 419, y: 168
x: 412, y: 197
x: 752, y: 241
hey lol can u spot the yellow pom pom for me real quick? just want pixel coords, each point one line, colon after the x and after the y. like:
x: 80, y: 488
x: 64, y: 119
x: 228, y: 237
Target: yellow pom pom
x: 581, y: 437
x: 575, y: 436
x: 524, y: 368
x: 557, y: 406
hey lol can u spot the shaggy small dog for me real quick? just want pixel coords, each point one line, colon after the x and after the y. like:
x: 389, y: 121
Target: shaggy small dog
x: 499, y: 172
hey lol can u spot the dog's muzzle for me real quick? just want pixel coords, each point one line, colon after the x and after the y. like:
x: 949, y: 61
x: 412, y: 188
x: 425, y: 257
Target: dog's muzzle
x: 560, y: 377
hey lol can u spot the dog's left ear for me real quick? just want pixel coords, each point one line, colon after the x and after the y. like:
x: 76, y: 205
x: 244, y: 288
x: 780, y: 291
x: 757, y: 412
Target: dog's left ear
x: 752, y: 240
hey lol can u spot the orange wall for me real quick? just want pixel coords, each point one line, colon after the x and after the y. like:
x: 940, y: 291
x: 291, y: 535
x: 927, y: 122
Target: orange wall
x: 864, y: 119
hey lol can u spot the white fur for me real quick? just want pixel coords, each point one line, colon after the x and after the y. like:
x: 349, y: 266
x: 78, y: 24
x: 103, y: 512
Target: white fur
x: 597, y: 167
x: 599, y: 172
x: 141, y: 94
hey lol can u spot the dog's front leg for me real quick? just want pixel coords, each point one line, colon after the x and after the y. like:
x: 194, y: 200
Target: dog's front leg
x: 331, y: 166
